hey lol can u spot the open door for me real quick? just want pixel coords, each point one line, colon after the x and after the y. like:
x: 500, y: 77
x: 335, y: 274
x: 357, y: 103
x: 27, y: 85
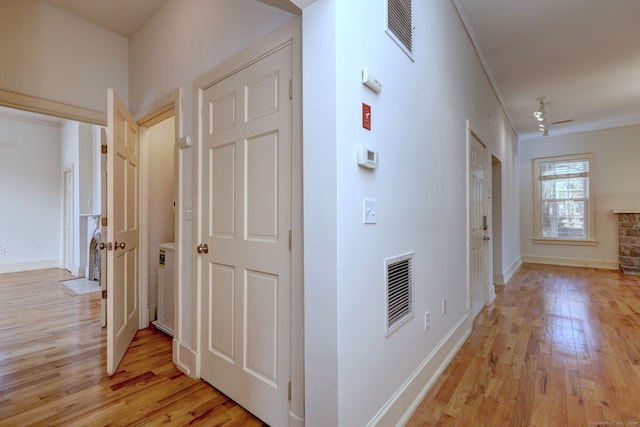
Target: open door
x: 123, y: 230
x: 103, y: 230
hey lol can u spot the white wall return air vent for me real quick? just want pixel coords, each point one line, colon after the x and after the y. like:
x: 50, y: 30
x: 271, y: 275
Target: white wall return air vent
x: 400, y: 24
x: 399, y: 291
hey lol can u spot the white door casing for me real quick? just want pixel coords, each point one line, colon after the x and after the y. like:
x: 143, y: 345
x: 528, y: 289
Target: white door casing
x: 68, y: 220
x: 123, y: 151
x: 245, y: 218
x: 478, y: 225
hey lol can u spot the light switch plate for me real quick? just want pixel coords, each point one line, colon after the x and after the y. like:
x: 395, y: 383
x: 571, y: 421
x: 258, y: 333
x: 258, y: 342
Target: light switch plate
x: 370, y: 211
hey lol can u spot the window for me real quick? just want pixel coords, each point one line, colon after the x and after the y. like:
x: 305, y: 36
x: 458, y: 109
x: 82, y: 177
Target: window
x: 564, y: 209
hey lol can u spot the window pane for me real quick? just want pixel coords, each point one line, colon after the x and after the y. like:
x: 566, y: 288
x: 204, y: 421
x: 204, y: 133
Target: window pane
x: 567, y: 188
x: 564, y: 168
x: 563, y: 219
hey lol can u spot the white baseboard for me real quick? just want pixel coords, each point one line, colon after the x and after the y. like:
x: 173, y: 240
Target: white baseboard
x: 29, y: 266
x: 295, y: 421
x: 572, y: 262
x: 408, y: 397
x: 515, y: 266
x: 504, y: 277
x: 184, y: 358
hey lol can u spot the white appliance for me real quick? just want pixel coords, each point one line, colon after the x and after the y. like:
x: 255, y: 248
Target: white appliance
x: 166, y: 287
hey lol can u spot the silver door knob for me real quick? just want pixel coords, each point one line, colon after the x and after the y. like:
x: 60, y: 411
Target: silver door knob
x: 117, y: 245
x: 203, y: 248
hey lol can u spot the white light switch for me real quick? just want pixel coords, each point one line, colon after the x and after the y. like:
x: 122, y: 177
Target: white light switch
x: 369, y: 211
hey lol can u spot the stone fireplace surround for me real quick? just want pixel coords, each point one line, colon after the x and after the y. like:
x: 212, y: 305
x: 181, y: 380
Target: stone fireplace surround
x: 629, y: 240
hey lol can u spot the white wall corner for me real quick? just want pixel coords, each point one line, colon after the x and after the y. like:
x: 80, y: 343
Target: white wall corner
x: 401, y: 406
x: 515, y: 266
x: 184, y: 358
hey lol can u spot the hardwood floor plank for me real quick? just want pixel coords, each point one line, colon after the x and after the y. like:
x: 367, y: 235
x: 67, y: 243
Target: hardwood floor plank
x: 560, y: 348
x: 53, y: 366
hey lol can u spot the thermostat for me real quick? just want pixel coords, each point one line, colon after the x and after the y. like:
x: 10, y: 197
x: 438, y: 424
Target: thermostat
x: 367, y: 158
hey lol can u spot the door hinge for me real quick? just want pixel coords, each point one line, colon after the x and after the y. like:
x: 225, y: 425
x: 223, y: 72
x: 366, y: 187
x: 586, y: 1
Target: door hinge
x: 290, y: 240
x: 104, y: 221
x: 290, y: 88
x: 289, y: 390
x: 104, y: 296
x: 104, y: 149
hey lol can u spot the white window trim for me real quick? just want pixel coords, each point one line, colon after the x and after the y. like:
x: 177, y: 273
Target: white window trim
x: 590, y: 218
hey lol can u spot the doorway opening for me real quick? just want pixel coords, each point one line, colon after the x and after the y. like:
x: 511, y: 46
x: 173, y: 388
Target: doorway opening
x: 159, y: 196
x: 169, y: 106
x: 496, y: 220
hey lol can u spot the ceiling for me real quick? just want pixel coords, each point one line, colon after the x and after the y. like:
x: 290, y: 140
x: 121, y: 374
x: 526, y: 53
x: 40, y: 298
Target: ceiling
x: 125, y: 17
x: 583, y: 56
x: 121, y: 16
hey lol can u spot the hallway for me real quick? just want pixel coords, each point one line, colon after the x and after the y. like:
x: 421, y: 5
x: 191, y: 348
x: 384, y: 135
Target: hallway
x: 559, y: 347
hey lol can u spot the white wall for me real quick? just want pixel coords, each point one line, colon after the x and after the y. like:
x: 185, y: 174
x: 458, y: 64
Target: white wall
x: 354, y: 375
x: 614, y: 185
x: 181, y: 41
x: 30, y: 190
x: 160, y: 167
x: 50, y: 54
x: 320, y: 213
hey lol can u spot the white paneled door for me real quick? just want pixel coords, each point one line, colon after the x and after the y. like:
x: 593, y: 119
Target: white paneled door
x: 123, y: 230
x: 478, y: 226
x: 103, y: 230
x: 245, y: 222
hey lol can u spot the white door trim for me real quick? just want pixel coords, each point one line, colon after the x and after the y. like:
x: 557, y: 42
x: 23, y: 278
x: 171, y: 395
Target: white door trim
x: 68, y: 217
x: 51, y: 108
x: 290, y: 33
x: 165, y: 107
x: 470, y: 134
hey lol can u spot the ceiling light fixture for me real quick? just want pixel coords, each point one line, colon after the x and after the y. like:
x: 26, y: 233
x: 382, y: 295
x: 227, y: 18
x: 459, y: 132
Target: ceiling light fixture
x: 539, y: 114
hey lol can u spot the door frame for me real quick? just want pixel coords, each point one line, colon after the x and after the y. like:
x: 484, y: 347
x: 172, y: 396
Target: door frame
x: 289, y: 33
x: 496, y: 225
x: 170, y: 105
x: 470, y: 133
x: 170, y: 102
x: 68, y: 214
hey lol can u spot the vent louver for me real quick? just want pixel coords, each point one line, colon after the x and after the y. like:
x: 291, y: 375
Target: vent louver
x: 399, y: 291
x: 400, y: 24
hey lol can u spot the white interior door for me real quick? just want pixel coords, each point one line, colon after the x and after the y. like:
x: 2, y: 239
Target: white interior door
x: 478, y: 226
x: 245, y: 222
x: 68, y: 219
x: 103, y: 230
x: 123, y: 235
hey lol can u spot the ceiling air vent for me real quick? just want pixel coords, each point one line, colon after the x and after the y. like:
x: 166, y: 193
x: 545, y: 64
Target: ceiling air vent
x: 399, y: 291
x: 400, y: 24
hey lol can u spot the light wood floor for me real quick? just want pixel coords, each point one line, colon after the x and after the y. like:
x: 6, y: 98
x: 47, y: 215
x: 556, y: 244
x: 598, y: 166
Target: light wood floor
x: 560, y: 347
x: 52, y: 366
